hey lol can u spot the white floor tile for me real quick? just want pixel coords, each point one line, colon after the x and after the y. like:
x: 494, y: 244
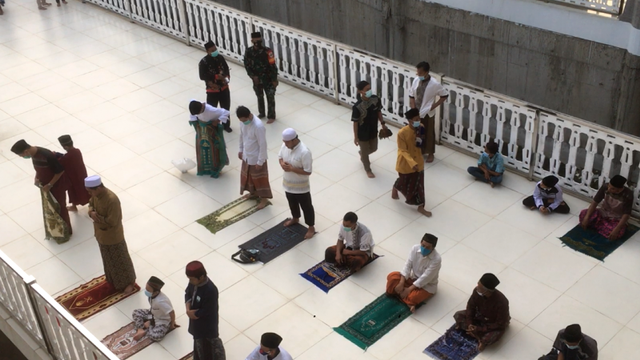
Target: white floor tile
x: 174, y: 252
x: 283, y: 273
x: 445, y: 220
x: 462, y: 267
x: 501, y: 241
x: 623, y: 346
x: 336, y: 200
x: 188, y: 207
x: 26, y: 251
x: 146, y: 229
x: 53, y: 275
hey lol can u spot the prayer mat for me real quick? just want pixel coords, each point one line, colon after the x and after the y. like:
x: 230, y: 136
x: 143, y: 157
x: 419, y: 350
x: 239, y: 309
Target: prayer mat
x: 229, y: 214
x: 122, y: 344
x: 54, y: 226
x: 326, y: 276
x: 591, y: 243
x: 374, y: 321
x: 187, y: 357
x: 453, y: 345
x: 90, y: 298
x: 275, y: 241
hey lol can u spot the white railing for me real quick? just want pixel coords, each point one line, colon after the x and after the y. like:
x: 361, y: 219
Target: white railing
x: 48, y: 323
x: 607, y: 6
x: 121, y: 7
x: 535, y: 141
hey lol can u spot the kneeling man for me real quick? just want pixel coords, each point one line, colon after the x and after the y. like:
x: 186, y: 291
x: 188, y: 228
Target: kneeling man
x: 354, y: 248
x: 610, y: 209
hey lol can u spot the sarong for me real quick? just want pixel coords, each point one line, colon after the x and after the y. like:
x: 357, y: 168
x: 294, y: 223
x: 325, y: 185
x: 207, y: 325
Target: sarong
x: 485, y: 337
x: 412, y: 187
x: 352, y: 262
x: 208, y: 349
x: 255, y: 181
x: 118, y: 267
x: 54, y: 225
x: 414, y: 298
x: 211, y: 151
x: 601, y: 224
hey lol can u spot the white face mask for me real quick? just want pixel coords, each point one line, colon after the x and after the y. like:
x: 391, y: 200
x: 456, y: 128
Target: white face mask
x: 479, y: 293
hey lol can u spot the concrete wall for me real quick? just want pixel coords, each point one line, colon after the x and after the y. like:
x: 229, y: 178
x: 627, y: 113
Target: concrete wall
x: 581, y: 77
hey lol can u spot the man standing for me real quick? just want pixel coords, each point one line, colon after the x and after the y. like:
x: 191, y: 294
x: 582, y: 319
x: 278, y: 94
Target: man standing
x: 269, y: 349
x: 160, y: 318
x: 260, y: 64
x: 49, y: 174
x: 211, y: 150
x: 367, y: 111
x: 422, y: 95
x: 214, y: 71
x: 487, y: 315
x: 409, y: 164
x: 75, y: 171
x: 295, y: 160
x: 354, y: 248
x: 201, y: 301
x: 418, y: 281
x: 106, y: 213
x: 572, y: 344
x: 610, y: 209
x: 254, y: 175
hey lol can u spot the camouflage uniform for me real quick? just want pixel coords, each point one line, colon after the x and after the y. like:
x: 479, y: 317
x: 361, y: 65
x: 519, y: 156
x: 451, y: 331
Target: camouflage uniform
x: 261, y: 62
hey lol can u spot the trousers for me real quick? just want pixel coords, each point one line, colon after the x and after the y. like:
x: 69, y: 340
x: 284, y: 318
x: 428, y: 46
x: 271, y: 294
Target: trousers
x: 297, y: 201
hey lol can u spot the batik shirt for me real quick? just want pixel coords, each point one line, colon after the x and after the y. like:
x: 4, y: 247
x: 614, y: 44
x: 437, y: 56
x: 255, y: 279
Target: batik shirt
x: 358, y: 239
x: 365, y: 113
x: 614, y: 206
x: 298, y: 157
x: 211, y: 66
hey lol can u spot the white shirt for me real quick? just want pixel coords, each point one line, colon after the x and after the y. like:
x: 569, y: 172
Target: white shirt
x: 210, y: 114
x: 253, y: 142
x: 366, y: 239
x: 423, y: 270
x: 255, y: 355
x: 298, y: 157
x: 539, y: 196
x: 161, y: 309
x: 433, y: 88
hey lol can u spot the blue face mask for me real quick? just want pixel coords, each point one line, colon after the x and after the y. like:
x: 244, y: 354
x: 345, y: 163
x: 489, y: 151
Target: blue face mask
x: 573, y: 347
x: 416, y: 124
x: 368, y: 94
x: 421, y: 78
x: 346, y: 228
x: 148, y: 293
x: 215, y: 53
x: 262, y: 352
x: 424, y: 251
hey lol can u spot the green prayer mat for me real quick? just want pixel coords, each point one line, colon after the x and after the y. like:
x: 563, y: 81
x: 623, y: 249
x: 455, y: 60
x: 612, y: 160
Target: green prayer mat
x: 374, y: 321
x: 592, y: 243
x: 229, y: 214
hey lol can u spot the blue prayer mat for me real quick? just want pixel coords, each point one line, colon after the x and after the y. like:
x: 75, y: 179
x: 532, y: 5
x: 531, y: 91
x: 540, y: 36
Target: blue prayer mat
x: 326, y: 276
x: 453, y: 345
x: 592, y: 243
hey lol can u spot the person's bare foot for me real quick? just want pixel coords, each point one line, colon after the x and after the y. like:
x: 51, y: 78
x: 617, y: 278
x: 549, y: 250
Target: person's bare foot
x: 370, y: 175
x: 310, y: 233
x: 249, y: 196
x: 263, y: 204
x: 424, y: 212
x: 290, y: 222
x: 412, y: 309
x: 429, y: 158
x: 139, y: 334
x: 481, y: 347
x: 394, y: 194
x: 129, y: 289
x: 72, y: 208
x: 271, y: 121
x: 492, y: 184
x: 532, y: 208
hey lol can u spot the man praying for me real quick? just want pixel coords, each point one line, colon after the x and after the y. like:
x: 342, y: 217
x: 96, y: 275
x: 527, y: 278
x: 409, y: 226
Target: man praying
x: 354, y: 248
x: 487, y: 315
x: 610, y: 209
x: 160, y: 318
x: 76, y: 172
x: 254, y: 173
x: 547, y: 197
x: 418, y: 280
x: 269, y: 349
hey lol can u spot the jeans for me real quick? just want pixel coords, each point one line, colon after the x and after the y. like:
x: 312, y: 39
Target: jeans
x: 479, y: 174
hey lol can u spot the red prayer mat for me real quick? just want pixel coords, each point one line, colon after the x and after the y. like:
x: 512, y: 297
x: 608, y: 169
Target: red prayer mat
x: 122, y: 344
x: 90, y: 298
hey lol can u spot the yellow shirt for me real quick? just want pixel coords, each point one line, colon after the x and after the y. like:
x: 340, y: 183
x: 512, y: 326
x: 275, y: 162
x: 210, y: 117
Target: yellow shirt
x: 109, y: 230
x: 409, y: 155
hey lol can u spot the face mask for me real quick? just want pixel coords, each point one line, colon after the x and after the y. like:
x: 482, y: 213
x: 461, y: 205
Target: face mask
x: 215, y: 53
x: 416, y: 124
x: 424, y: 251
x: 347, y: 229
x: 26, y: 157
x: 263, y: 352
x: 368, y: 94
x: 258, y: 43
x: 247, y: 122
x: 149, y: 294
x: 479, y: 293
x: 421, y: 78
x: 573, y: 347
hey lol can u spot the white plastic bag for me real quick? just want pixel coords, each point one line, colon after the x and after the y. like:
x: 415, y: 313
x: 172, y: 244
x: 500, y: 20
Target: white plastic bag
x: 183, y: 165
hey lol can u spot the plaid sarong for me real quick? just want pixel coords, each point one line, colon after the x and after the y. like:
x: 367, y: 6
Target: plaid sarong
x: 255, y: 180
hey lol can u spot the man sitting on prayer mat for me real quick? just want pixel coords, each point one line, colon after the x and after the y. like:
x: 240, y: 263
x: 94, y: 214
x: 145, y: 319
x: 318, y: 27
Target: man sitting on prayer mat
x: 610, y: 209
x: 156, y: 321
x: 418, y: 281
x: 269, y: 349
x: 254, y: 173
x: 487, y: 315
x: 106, y: 213
x: 354, y: 247
x: 547, y: 197
x: 572, y: 344
x: 201, y: 301
x: 76, y: 172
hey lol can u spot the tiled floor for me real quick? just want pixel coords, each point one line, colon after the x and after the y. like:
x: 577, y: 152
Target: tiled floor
x: 122, y: 90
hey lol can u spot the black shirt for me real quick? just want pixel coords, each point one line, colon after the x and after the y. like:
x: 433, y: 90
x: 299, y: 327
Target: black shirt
x: 205, y: 300
x: 46, y: 158
x: 365, y: 113
x: 211, y: 66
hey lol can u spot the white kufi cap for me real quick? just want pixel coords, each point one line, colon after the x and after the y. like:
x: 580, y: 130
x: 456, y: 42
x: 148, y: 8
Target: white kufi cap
x: 92, y: 181
x: 289, y: 134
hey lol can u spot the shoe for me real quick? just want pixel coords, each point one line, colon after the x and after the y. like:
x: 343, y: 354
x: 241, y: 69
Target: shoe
x: 261, y: 115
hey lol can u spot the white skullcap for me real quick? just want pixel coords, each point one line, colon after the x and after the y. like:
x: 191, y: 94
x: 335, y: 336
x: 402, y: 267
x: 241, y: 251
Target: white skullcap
x: 289, y: 134
x: 92, y: 181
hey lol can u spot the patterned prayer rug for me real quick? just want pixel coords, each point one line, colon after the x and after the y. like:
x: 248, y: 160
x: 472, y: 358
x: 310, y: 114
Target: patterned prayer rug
x: 326, y: 276
x: 453, y: 345
x: 122, y: 344
x: 591, y: 243
x: 54, y: 226
x: 229, y: 214
x: 187, y: 357
x: 90, y: 298
x: 276, y: 241
x: 374, y: 321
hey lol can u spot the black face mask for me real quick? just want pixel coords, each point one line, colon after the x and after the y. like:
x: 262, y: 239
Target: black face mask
x: 258, y: 43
